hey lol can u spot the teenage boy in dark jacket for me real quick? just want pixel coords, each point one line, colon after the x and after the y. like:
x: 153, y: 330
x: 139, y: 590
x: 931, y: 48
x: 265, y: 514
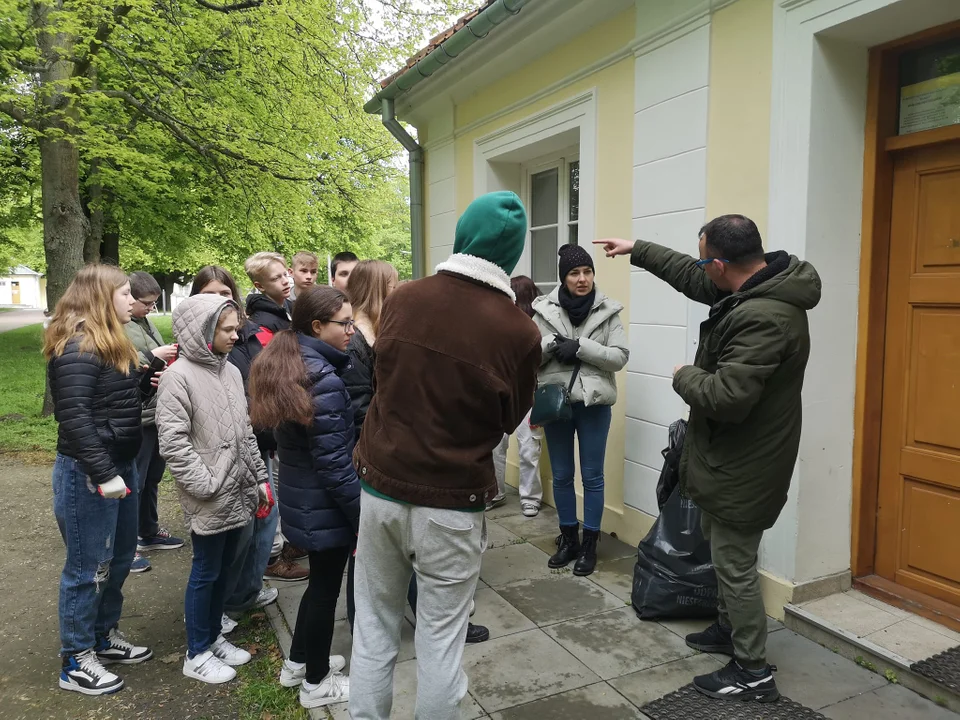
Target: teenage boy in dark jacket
x: 270, y: 308
x: 444, y: 400
x: 744, y: 393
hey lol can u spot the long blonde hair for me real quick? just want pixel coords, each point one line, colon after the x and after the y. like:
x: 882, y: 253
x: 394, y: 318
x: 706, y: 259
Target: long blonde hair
x: 87, y: 309
x: 367, y: 288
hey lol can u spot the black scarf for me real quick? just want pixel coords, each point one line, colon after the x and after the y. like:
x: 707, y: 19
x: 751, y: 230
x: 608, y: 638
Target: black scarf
x: 578, y: 308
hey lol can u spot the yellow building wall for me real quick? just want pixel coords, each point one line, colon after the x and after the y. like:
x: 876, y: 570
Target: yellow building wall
x: 738, y: 134
x: 738, y: 145
x: 614, y: 172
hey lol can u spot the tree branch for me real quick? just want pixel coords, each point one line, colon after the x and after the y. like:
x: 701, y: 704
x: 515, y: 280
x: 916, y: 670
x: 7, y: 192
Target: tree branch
x: 11, y: 110
x: 245, y: 5
x: 82, y: 65
x: 206, y: 150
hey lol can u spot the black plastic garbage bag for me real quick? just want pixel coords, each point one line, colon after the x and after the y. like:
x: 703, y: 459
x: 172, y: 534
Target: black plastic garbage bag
x: 670, y: 473
x: 674, y: 576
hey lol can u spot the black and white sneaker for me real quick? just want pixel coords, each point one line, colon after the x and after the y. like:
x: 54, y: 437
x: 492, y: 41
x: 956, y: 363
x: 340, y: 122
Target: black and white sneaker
x: 115, y: 648
x: 734, y: 682
x: 715, y: 639
x: 83, y: 673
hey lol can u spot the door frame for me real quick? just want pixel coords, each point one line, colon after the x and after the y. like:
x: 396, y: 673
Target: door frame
x: 881, y: 143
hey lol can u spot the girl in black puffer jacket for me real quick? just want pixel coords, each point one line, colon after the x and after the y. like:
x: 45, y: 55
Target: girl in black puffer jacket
x: 295, y: 387
x: 97, y: 402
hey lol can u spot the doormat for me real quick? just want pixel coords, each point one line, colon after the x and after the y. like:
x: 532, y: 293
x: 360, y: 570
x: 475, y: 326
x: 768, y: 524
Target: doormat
x: 943, y: 668
x: 687, y: 704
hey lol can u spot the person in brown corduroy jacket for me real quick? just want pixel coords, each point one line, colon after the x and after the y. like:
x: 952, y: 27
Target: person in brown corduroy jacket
x: 446, y: 392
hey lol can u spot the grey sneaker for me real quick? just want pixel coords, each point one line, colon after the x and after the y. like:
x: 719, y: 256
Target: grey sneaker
x: 267, y: 596
x: 529, y: 508
x: 496, y: 501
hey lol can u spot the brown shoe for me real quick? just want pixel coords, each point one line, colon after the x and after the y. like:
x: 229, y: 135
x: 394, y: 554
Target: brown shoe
x: 292, y: 552
x: 285, y: 571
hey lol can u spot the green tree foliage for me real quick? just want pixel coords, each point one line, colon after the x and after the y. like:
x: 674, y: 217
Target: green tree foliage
x: 194, y: 131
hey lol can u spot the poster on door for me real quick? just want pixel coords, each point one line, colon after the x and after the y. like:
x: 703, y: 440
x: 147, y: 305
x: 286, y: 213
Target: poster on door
x: 930, y: 104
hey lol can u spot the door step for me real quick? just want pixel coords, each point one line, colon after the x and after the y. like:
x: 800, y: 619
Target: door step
x: 869, y: 655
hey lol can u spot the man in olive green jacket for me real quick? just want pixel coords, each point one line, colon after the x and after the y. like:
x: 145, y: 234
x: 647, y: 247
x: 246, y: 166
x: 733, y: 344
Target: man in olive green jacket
x: 744, y: 394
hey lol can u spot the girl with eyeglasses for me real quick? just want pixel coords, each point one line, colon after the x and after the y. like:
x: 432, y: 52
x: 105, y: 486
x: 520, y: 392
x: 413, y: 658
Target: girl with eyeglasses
x: 296, y: 388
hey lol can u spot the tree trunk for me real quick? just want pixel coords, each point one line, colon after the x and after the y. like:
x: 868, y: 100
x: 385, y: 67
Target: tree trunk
x: 110, y: 247
x: 65, y: 227
x: 92, y: 199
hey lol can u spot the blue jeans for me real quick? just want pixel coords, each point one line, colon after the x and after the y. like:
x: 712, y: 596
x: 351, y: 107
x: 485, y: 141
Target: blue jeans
x: 100, y: 535
x: 591, y: 425
x: 253, y: 555
x: 207, y: 587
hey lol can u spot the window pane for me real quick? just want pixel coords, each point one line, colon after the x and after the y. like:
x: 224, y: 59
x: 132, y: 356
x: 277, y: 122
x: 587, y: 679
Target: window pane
x: 574, y: 191
x: 573, y: 234
x: 544, y: 194
x: 543, y: 245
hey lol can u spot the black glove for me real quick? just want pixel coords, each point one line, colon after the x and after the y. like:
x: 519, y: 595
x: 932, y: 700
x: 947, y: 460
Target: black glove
x: 566, y: 351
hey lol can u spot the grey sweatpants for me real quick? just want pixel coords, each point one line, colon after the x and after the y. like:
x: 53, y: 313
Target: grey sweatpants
x: 443, y: 548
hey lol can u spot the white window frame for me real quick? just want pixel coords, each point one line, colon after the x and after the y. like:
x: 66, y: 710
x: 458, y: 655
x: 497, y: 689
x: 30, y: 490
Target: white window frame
x: 576, y: 113
x: 562, y: 162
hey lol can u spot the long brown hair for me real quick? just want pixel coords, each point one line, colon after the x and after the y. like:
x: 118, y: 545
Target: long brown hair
x: 87, y: 309
x: 214, y: 273
x: 367, y: 288
x: 526, y: 291
x: 278, y: 377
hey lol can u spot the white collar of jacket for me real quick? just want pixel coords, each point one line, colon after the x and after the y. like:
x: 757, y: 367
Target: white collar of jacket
x: 483, y: 271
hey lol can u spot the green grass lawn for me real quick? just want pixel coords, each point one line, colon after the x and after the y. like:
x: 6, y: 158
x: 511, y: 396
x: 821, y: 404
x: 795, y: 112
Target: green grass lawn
x: 23, y: 429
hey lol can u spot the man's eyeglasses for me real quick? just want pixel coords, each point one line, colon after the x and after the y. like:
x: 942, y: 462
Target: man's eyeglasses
x: 706, y: 261
x: 149, y: 305
x: 347, y: 325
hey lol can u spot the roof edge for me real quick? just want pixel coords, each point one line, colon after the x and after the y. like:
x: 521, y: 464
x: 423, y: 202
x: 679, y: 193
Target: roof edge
x: 445, y: 48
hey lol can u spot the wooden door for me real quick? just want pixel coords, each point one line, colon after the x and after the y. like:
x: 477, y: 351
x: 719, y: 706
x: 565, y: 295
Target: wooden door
x: 918, y: 521
x: 14, y: 293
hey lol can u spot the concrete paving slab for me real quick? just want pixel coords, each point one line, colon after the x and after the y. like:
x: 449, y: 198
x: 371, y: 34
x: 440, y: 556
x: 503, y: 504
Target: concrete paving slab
x: 343, y: 641
x: 814, y: 676
x: 499, y: 616
x: 405, y: 697
x: 615, y: 576
x: 617, y: 643
x: 911, y: 640
x: 557, y: 598
x: 498, y: 681
x: 596, y: 702
x: 851, y: 613
x: 499, y: 536
x: 648, y: 685
x: 893, y: 702
x: 505, y: 565
x: 543, y: 524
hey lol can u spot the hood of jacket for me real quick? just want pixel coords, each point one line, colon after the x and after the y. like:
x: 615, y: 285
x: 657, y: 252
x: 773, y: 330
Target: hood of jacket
x: 785, y: 278
x: 258, y: 302
x: 195, y: 323
x: 604, y: 307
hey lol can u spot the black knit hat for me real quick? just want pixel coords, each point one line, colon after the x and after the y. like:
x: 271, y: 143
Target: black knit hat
x: 573, y: 256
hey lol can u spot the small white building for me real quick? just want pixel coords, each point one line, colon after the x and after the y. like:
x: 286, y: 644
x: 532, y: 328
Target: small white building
x: 22, y: 287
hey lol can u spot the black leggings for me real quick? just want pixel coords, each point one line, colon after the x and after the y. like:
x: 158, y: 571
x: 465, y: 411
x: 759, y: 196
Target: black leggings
x: 318, y: 608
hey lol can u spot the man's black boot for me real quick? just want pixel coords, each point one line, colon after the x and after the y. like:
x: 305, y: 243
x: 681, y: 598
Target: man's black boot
x: 568, y: 546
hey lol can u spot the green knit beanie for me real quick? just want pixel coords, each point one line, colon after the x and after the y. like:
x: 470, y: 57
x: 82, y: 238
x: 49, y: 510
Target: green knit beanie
x: 493, y: 228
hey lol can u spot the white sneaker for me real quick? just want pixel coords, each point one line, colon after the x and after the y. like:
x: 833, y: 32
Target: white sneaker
x: 230, y: 653
x: 227, y: 624
x: 473, y: 607
x: 267, y: 596
x: 334, y: 688
x: 530, y: 509
x: 292, y: 674
x: 207, y: 667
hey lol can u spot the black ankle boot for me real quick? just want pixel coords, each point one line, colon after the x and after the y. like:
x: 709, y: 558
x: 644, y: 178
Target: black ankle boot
x: 587, y: 560
x: 568, y: 546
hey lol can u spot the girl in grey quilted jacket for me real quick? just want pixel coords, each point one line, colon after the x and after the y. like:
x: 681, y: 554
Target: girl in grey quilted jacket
x: 208, y: 443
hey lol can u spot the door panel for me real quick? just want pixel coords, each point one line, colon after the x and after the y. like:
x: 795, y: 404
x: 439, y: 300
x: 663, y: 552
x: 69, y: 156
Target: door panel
x: 918, y: 521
